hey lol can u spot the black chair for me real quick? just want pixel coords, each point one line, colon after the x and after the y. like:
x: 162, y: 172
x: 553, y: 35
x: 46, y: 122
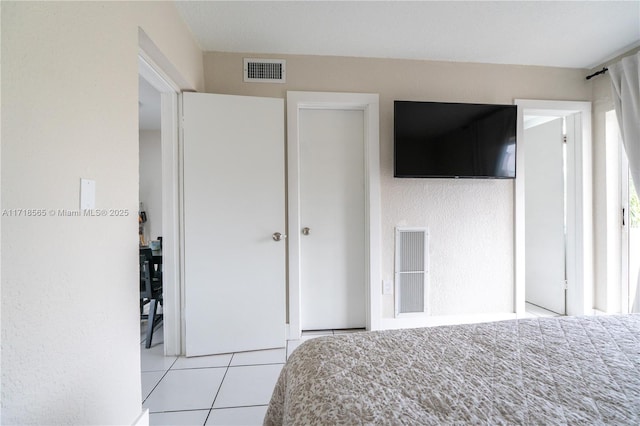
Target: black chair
x: 150, y: 292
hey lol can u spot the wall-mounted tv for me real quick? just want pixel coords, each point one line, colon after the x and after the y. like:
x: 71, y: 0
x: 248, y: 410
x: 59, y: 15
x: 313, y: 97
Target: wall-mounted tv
x: 454, y: 140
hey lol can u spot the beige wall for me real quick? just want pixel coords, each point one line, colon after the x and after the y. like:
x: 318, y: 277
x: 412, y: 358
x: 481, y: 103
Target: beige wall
x: 470, y: 221
x: 70, y: 320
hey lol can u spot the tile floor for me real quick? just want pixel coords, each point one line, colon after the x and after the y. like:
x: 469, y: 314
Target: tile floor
x: 537, y: 311
x: 229, y: 389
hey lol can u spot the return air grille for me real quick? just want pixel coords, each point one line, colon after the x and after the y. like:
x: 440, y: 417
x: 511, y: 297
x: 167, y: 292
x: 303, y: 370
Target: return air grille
x: 411, y: 271
x: 264, y: 70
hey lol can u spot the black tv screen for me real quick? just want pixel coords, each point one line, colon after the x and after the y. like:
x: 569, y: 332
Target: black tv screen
x: 454, y: 140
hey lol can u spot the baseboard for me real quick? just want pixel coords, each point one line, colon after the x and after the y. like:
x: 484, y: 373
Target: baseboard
x: 431, y: 321
x: 143, y: 419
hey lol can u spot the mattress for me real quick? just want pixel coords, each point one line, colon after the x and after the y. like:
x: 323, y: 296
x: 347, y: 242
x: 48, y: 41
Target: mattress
x: 565, y: 370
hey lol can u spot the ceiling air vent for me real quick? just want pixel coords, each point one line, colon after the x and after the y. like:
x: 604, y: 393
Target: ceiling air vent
x: 264, y: 70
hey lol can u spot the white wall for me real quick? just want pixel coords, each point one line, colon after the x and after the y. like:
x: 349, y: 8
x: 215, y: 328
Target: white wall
x: 470, y: 221
x: 70, y: 320
x: 151, y: 182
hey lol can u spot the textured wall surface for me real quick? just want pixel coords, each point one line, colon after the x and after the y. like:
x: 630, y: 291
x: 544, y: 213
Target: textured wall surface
x: 470, y: 221
x: 70, y: 320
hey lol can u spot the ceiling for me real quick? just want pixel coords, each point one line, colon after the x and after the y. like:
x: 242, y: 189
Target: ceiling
x: 574, y: 34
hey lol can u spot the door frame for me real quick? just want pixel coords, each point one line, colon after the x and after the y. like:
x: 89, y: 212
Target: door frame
x: 369, y: 104
x: 154, y: 74
x: 579, y: 195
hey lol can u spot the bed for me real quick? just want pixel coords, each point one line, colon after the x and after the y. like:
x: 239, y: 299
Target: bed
x: 565, y: 370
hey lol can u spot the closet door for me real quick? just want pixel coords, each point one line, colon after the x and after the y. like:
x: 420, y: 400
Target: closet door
x: 332, y: 217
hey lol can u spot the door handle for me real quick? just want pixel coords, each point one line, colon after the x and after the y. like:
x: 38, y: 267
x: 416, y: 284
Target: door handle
x: 623, y: 209
x: 306, y: 231
x: 278, y: 236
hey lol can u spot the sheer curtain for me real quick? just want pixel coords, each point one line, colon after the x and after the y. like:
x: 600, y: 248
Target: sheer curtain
x: 625, y: 85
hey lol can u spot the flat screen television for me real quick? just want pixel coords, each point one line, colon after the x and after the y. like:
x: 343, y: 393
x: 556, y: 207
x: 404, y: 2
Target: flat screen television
x: 454, y: 140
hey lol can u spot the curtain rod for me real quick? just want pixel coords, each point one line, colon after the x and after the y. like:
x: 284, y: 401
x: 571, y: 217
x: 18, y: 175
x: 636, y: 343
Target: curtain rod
x: 602, y: 71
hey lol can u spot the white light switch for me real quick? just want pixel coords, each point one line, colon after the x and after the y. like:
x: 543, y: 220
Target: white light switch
x: 87, y: 194
x: 387, y: 287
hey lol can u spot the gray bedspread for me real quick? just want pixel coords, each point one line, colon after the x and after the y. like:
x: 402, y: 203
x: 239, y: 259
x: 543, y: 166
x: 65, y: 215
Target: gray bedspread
x: 569, y: 370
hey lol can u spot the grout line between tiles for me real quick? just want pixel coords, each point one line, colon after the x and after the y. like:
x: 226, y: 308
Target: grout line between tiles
x: 217, y: 392
x: 179, y: 411
x: 163, y: 376
x: 196, y: 368
x: 257, y: 365
x: 240, y: 406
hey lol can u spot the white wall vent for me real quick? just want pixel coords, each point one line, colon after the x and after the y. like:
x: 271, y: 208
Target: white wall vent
x: 264, y: 70
x: 411, y: 271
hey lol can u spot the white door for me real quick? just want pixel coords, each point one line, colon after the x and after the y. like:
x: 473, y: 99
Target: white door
x: 233, y: 204
x: 332, y: 219
x: 544, y: 216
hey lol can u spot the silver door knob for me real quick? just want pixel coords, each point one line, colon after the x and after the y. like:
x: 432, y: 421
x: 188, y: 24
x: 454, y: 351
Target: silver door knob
x: 278, y: 236
x: 306, y: 231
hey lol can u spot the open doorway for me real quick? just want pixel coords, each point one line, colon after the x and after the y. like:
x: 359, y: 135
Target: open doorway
x: 150, y: 212
x: 578, y: 205
x: 150, y: 159
x: 160, y: 153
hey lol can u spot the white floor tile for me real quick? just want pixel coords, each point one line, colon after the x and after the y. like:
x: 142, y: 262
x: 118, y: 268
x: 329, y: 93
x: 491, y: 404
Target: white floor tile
x: 538, y: 311
x: 247, y: 386
x: 143, y: 331
x: 153, y: 359
x: 245, y: 416
x: 158, y: 334
x: 269, y: 356
x: 179, y: 418
x: 202, y: 362
x: 179, y: 390
x: 149, y: 380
